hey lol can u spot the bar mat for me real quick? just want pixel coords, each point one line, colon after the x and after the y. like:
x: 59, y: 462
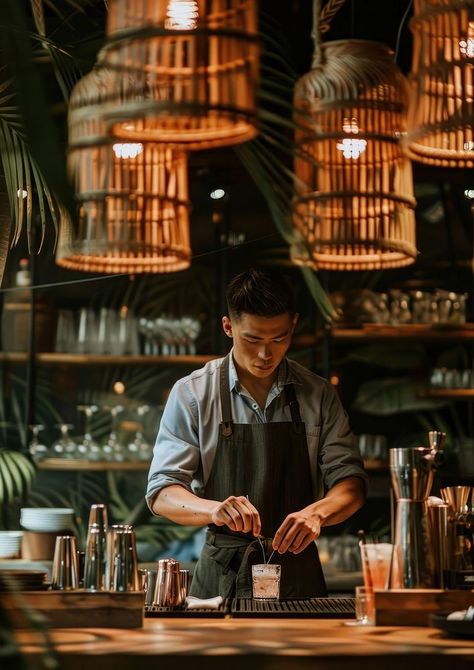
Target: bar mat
x: 324, y: 608
x: 312, y: 608
x: 159, y: 611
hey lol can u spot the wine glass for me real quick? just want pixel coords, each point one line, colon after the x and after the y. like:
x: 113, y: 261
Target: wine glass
x: 88, y: 448
x: 64, y: 447
x: 38, y: 450
x: 113, y: 448
x: 139, y: 449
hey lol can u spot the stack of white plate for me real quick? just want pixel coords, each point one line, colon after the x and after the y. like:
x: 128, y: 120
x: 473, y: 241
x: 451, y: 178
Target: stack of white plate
x: 47, y: 519
x: 10, y: 543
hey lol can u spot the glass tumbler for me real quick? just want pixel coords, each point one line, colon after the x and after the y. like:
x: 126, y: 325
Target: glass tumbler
x: 266, y: 581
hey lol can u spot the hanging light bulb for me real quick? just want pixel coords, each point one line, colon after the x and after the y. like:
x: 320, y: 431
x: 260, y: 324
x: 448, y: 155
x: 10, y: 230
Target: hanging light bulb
x: 128, y: 150
x: 351, y: 147
x: 466, y: 46
x: 182, y: 15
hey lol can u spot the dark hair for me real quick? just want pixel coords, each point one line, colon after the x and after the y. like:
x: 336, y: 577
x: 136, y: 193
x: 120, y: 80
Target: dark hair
x: 260, y: 292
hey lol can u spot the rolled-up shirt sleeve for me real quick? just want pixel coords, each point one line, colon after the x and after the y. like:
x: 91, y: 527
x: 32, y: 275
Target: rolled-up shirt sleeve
x: 339, y: 456
x: 176, y: 455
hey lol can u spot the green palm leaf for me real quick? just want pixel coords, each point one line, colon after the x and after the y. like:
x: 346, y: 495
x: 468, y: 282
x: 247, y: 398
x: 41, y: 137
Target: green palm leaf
x: 16, y: 475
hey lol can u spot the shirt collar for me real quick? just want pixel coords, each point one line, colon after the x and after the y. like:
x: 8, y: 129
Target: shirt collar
x: 285, y: 375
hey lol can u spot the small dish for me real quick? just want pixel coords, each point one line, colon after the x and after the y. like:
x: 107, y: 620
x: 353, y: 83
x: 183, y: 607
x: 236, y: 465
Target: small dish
x: 456, y: 627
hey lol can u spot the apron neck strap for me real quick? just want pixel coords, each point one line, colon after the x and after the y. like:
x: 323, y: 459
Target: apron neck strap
x: 224, y: 388
x: 292, y: 402
x: 227, y: 425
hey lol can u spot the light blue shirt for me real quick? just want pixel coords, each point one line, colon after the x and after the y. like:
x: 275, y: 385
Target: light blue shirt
x: 189, y: 429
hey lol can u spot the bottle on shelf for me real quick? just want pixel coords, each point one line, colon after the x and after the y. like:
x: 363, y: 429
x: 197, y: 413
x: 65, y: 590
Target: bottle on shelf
x: 16, y: 307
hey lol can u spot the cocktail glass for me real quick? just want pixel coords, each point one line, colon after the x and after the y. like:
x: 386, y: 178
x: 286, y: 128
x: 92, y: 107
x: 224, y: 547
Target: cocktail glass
x: 266, y: 581
x: 380, y: 565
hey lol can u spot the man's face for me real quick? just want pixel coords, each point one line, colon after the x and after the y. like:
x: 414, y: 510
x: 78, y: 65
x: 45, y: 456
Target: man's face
x: 260, y: 343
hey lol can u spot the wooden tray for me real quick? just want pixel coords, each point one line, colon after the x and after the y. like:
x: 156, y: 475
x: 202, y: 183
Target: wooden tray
x: 413, y: 607
x: 76, y: 609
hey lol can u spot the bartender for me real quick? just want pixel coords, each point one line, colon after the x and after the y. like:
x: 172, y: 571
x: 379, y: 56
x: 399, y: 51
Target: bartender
x: 259, y: 449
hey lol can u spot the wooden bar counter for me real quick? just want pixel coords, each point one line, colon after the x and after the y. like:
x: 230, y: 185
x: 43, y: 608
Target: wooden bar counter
x: 251, y: 644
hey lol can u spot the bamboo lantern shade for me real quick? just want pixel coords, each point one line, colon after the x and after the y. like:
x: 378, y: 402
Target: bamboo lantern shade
x: 353, y: 203
x: 133, y: 197
x: 188, y: 71
x: 441, y: 113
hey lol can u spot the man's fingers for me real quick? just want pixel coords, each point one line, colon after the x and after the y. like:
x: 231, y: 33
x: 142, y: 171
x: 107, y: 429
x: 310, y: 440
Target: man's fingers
x: 253, y: 516
x: 280, y: 535
x: 301, y: 541
x: 239, y: 515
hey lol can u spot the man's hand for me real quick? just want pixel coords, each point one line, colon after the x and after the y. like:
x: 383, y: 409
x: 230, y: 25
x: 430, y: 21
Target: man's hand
x: 297, y: 531
x: 238, y: 514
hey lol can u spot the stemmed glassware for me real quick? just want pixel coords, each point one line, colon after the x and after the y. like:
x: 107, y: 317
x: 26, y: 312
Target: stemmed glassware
x: 113, y: 449
x: 168, y: 336
x: 88, y: 448
x: 139, y: 449
x: 38, y: 450
x: 64, y: 447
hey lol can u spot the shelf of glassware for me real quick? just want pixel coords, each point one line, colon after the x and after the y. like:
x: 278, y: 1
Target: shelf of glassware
x: 97, y: 466
x: 52, y: 358
x: 373, y: 331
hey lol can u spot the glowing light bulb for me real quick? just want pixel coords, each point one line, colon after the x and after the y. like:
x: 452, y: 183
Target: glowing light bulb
x: 469, y: 193
x: 468, y: 146
x: 466, y: 47
x: 351, y: 147
x: 182, y: 15
x: 129, y: 150
x: 21, y: 193
x: 217, y: 194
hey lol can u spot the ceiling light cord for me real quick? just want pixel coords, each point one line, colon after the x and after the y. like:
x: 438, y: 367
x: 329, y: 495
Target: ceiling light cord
x: 400, y: 29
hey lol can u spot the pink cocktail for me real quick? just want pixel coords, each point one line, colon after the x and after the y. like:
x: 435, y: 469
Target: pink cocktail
x: 377, y: 563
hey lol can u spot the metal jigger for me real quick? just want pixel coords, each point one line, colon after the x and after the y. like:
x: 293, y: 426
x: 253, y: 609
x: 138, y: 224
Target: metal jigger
x: 456, y: 497
x: 65, y: 573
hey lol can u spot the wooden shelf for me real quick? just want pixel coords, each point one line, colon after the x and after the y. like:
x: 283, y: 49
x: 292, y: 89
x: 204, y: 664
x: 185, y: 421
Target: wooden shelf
x: 73, y: 464
x: 52, y: 358
x: 376, y: 332
x: 461, y: 394
x: 376, y: 465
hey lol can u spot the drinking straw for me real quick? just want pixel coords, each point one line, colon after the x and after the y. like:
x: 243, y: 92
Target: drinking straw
x: 388, y: 584
x: 262, y: 546
x: 365, y: 559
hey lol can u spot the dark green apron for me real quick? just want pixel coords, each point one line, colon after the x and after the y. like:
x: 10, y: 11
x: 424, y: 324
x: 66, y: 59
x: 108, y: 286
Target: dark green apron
x: 269, y: 463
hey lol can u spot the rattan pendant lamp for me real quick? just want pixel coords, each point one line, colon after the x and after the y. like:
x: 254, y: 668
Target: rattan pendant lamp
x: 188, y: 71
x: 441, y: 114
x: 133, y: 196
x: 353, y: 203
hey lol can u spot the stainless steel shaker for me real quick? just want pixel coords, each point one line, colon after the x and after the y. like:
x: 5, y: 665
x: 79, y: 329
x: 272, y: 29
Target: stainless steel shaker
x: 459, y: 573
x: 148, y: 581
x: 168, y: 591
x: 412, y: 472
x: 183, y: 585
x: 65, y: 574
x: 94, y: 564
x: 121, y: 565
